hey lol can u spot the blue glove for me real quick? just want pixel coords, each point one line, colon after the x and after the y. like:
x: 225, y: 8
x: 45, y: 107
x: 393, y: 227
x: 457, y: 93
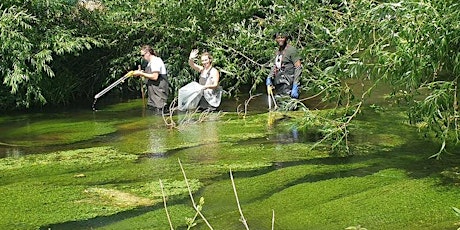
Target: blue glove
x: 295, y: 91
x: 268, y: 81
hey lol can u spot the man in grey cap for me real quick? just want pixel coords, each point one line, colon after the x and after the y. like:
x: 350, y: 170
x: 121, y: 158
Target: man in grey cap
x: 285, y: 73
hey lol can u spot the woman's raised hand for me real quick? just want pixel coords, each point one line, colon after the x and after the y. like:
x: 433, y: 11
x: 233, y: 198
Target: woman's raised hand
x: 193, y: 54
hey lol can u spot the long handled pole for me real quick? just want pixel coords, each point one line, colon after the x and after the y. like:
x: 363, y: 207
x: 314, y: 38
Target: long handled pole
x: 271, y: 98
x: 143, y: 93
x: 274, y: 101
x: 122, y: 79
x: 142, y: 89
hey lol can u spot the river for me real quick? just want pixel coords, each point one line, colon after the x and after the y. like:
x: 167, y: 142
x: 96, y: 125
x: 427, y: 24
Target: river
x: 113, y: 167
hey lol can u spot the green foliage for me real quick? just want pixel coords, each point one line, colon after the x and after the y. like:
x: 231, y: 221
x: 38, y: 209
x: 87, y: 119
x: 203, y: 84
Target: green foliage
x: 82, y: 157
x: 238, y: 33
x: 414, y: 47
x: 32, y: 35
x: 191, y: 221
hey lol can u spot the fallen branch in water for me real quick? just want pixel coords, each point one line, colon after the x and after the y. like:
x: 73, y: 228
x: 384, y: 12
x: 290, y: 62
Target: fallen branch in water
x: 190, y: 117
x: 168, y: 117
x: 246, y: 105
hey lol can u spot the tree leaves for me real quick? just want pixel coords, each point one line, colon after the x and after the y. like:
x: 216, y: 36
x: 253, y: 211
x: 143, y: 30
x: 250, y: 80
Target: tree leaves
x: 32, y: 36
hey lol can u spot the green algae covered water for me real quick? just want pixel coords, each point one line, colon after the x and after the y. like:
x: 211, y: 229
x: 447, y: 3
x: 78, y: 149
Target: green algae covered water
x: 111, y: 169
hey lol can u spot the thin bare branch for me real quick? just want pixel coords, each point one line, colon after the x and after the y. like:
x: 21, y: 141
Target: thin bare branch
x: 246, y: 104
x: 241, y: 54
x: 164, y: 203
x: 191, y: 196
x: 238, y: 202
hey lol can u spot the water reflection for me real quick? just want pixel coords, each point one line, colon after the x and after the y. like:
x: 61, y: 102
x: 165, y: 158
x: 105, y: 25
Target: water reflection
x: 271, y: 120
x: 205, y: 139
x: 13, y: 152
x: 281, y: 137
x: 138, y: 130
x: 156, y: 143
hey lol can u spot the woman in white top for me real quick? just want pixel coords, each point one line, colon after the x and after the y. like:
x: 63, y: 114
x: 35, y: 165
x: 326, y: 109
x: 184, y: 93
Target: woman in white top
x: 209, y: 78
x: 157, y: 80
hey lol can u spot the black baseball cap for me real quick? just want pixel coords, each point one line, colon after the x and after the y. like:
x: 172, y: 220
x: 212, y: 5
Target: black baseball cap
x: 282, y: 34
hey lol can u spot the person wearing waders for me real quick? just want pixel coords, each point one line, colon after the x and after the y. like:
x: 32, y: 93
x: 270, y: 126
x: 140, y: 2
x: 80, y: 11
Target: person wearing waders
x: 209, y: 78
x: 156, y: 80
x: 284, y: 76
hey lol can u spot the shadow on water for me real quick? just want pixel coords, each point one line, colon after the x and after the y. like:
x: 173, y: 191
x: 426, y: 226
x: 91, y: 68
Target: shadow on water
x: 98, y: 222
x: 408, y: 160
x: 102, y: 221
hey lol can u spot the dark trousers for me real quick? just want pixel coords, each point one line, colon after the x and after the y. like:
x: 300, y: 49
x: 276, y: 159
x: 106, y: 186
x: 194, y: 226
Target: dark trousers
x: 158, y: 92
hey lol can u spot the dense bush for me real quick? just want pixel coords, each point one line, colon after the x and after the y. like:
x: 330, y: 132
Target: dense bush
x: 33, y: 34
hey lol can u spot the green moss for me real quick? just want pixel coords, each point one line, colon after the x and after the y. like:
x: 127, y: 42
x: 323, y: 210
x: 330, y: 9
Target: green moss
x: 374, y: 202
x: 73, y: 158
x: 388, y: 182
x: 55, y: 132
x: 170, y: 188
x: 155, y: 219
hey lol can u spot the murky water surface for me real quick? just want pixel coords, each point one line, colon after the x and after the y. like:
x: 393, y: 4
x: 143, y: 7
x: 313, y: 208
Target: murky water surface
x: 65, y: 130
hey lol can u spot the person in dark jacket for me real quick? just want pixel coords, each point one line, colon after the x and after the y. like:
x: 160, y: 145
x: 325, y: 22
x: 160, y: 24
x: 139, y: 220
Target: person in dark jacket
x: 284, y: 77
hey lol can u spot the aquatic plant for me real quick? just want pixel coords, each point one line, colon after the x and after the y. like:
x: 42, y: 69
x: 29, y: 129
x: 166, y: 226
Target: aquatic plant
x: 56, y: 132
x: 198, y: 207
x: 182, y: 121
x: 457, y: 212
x: 387, y: 182
x: 356, y: 228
